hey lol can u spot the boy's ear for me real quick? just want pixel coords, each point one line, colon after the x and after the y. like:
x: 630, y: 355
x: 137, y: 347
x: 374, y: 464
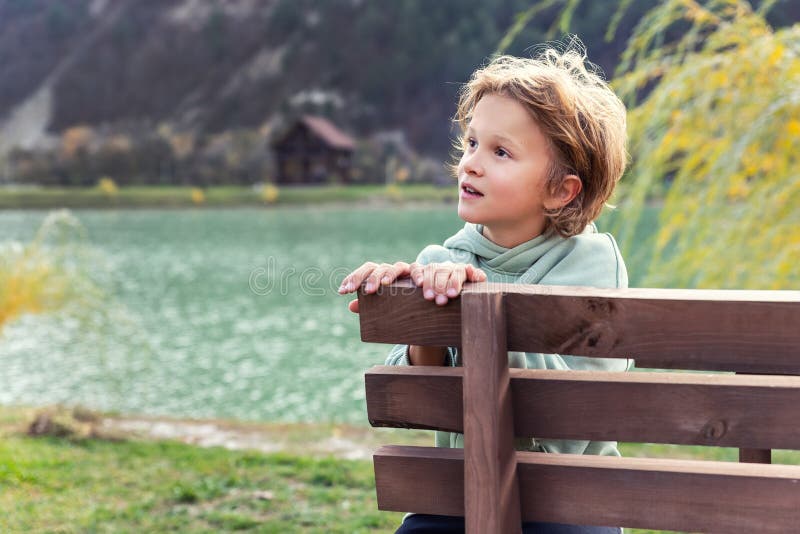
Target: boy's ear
x: 570, y: 188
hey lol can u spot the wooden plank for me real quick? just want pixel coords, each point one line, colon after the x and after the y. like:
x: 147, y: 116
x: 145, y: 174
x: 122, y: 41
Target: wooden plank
x: 491, y: 498
x: 751, y: 331
x: 420, y: 479
x: 415, y: 397
x: 681, y: 408
x: 748, y: 331
x: 755, y: 456
x: 398, y: 313
x: 680, y: 495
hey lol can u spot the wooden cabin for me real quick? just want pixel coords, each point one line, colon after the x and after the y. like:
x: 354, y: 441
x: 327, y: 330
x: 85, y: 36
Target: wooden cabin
x: 313, y: 151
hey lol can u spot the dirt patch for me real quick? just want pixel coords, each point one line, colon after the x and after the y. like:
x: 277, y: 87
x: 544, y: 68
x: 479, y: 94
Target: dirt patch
x: 340, y: 441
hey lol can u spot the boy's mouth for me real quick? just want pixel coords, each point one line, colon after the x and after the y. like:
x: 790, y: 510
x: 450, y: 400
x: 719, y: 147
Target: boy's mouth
x: 467, y: 191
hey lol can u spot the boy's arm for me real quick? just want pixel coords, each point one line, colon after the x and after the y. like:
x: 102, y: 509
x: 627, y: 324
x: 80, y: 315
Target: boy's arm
x: 417, y: 355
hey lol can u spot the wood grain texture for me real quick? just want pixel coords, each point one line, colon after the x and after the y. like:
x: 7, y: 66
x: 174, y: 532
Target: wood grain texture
x: 423, y: 480
x: 680, y: 495
x: 681, y: 329
x: 748, y: 331
x: 415, y: 397
x: 398, y: 313
x: 491, y: 498
x: 755, y: 456
x: 681, y: 408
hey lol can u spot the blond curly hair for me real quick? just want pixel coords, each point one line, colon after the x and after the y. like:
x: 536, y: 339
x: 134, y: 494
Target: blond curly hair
x: 577, y: 112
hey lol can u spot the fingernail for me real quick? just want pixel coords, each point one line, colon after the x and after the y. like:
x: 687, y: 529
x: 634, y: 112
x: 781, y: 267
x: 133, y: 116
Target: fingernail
x: 441, y: 299
x: 419, y: 280
x: 386, y: 280
x: 451, y: 292
x: 369, y: 287
x: 429, y: 294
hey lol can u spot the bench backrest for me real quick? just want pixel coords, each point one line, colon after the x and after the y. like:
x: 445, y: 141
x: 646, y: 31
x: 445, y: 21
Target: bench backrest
x: 496, y: 487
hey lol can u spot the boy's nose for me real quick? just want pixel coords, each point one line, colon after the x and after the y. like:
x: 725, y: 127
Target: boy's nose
x: 472, y: 164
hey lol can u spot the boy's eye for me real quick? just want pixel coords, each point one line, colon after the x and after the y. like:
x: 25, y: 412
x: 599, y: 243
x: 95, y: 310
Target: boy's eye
x: 471, y: 143
x: 501, y: 152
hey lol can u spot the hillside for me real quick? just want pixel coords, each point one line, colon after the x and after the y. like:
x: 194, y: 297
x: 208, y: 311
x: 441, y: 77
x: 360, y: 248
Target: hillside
x: 206, y: 67
x: 212, y: 66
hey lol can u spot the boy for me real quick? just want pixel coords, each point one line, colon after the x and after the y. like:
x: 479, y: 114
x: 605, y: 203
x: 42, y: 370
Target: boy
x: 543, y: 147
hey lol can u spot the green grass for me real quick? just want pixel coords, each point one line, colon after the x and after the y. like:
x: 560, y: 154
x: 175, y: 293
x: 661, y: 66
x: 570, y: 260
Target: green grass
x: 90, y: 485
x: 229, y: 196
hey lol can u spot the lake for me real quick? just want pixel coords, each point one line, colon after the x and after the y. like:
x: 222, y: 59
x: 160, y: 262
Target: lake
x: 214, y: 313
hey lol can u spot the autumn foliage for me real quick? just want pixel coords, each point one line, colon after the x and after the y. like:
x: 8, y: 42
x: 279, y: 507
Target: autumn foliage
x: 718, y: 132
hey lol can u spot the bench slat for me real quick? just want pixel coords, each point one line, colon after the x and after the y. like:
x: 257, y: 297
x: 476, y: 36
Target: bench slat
x: 490, y: 474
x: 747, y: 331
x: 680, y: 408
x: 679, y: 495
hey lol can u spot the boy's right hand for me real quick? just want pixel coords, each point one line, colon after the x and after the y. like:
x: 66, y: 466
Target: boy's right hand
x: 440, y: 281
x: 374, y: 275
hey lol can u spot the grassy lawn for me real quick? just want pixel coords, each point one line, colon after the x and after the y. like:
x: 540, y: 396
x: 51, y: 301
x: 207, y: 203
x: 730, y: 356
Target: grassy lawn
x: 50, y: 484
x: 175, y: 197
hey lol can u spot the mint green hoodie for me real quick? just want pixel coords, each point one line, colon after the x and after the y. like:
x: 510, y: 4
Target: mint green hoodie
x: 587, y: 259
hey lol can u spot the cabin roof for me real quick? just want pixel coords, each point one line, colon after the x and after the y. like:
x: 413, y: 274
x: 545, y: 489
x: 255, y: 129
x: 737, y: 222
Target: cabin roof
x: 321, y: 128
x: 328, y: 132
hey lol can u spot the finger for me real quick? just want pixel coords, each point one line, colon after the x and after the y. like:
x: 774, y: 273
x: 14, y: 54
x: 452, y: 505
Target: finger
x: 441, y: 280
x: 475, y: 274
x: 428, y: 273
x: 457, y: 277
x: 442, y: 298
x: 353, y: 306
x: 417, y: 273
x: 400, y: 269
x: 384, y: 271
x: 441, y: 276
x: 386, y: 274
x: 353, y: 280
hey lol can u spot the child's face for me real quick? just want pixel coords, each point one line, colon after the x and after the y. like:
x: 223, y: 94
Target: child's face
x: 505, y: 161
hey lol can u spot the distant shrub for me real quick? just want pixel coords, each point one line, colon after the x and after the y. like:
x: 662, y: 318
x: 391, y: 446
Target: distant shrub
x: 270, y: 193
x: 198, y: 196
x: 107, y: 186
x: 43, y: 275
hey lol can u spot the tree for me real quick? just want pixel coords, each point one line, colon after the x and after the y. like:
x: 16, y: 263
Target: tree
x: 719, y: 123
x: 714, y: 129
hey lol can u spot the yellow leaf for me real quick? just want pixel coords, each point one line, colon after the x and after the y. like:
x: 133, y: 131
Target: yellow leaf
x: 776, y: 55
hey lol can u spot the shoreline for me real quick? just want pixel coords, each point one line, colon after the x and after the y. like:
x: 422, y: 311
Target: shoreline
x: 313, y: 439
x: 169, y: 197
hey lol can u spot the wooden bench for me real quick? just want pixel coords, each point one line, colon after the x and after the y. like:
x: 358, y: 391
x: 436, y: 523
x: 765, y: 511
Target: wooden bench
x: 495, y: 487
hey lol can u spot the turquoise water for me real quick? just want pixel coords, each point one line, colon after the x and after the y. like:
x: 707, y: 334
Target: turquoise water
x: 214, y: 313
x: 185, y: 334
